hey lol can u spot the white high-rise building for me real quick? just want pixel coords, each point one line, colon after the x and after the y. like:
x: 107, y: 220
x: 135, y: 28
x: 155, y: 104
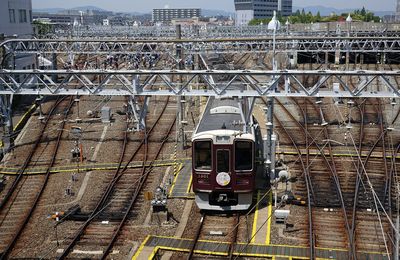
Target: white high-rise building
x: 16, y: 18
x: 398, y: 11
x: 398, y: 7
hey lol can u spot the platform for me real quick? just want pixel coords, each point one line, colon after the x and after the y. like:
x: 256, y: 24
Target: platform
x: 261, y: 231
x: 182, y: 184
x: 152, y: 244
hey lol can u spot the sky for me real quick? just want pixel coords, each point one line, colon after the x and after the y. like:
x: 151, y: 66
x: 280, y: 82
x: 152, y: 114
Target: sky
x: 147, y: 5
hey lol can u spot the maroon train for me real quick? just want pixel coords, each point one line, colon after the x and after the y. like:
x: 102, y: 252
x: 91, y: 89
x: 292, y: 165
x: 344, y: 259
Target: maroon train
x: 224, y: 155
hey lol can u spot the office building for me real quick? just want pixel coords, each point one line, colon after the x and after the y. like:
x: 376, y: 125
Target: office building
x: 247, y: 10
x: 166, y: 15
x: 16, y: 18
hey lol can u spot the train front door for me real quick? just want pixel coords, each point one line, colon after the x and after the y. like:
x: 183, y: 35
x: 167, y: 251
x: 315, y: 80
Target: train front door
x: 223, y: 167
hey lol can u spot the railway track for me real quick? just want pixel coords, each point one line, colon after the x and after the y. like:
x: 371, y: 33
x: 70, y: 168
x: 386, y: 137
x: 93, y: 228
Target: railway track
x: 221, y: 227
x: 118, y: 202
x: 376, y: 178
x: 24, y: 194
x: 331, y: 226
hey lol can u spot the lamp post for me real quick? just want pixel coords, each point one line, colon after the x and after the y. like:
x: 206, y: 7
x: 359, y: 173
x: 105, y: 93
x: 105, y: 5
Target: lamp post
x: 349, y: 20
x: 287, y: 26
x: 274, y: 25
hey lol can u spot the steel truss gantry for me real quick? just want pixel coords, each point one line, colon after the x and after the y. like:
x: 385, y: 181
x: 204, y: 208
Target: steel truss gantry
x: 244, y: 45
x: 216, y: 31
x: 218, y: 83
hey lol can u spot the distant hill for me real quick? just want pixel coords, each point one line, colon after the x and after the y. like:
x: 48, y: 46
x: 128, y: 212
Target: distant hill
x: 325, y: 11
x: 205, y: 12
x: 49, y: 10
x: 211, y: 13
x: 80, y: 8
x: 88, y: 7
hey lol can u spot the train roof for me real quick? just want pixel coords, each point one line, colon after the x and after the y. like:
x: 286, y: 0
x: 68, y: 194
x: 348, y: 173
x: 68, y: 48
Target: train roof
x: 221, y: 114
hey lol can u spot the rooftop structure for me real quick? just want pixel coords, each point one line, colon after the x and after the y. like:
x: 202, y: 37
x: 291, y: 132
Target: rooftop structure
x: 246, y: 10
x: 166, y: 15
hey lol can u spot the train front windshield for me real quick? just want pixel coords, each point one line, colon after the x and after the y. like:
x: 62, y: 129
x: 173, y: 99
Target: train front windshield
x: 223, y: 161
x: 202, y: 155
x: 243, y: 156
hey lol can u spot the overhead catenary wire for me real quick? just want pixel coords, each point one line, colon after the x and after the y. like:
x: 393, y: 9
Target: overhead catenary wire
x: 376, y: 197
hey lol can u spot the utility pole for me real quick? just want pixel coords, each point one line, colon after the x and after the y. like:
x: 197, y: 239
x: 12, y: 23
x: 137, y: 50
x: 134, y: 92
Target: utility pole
x: 5, y: 106
x: 181, y: 99
x: 397, y: 236
x: 270, y: 139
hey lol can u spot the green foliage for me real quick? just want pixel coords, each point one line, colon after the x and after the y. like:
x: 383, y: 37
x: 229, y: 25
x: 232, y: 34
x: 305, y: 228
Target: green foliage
x: 302, y: 17
x: 42, y: 28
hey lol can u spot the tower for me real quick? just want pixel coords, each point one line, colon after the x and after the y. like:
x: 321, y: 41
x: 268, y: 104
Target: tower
x: 398, y: 7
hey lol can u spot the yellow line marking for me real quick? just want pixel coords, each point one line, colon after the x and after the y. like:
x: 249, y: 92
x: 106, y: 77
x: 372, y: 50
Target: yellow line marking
x: 24, y: 116
x: 272, y: 256
x: 190, y: 184
x: 188, y: 239
x: 21, y: 120
x: 243, y: 254
x: 254, y: 230
x: 175, y: 179
x: 83, y: 168
x: 268, y: 237
x: 157, y: 248
x: 337, y: 154
x: 155, y: 251
x: 135, y: 256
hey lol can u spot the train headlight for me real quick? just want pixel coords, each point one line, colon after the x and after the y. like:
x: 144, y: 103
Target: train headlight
x: 223, y: 179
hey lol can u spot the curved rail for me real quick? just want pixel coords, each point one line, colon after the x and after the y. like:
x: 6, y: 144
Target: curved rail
x: 26, y: 219
x: 143, y: 179
x: 106, y: 195
x: 29, y: 158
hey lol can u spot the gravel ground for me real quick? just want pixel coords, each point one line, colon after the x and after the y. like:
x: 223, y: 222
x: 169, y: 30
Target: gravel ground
x: 39, y: 238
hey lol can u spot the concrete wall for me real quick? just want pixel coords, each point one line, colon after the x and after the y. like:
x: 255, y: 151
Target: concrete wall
x: 19, y: 26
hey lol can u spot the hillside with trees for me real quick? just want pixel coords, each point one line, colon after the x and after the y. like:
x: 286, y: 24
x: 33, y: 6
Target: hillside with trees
x: 361, y: 15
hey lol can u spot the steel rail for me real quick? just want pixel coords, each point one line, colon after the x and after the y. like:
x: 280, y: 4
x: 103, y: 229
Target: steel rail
x: 311, y: 233
x: 196, y: 237
x: 310, y: 191
x: 5, y: 254
x: 106, y: 195
x: 234, y: 236
x: 335, y: 177
x: 29, y: 158
x: 143, y: 179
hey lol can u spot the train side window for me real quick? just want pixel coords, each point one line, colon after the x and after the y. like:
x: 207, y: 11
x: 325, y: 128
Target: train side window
x: 223, y: 161
x: 202, y: 153
x: 243, y: 156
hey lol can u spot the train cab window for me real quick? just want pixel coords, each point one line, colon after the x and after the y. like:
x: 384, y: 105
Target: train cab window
x: 223, y: 161
x: 202, y: 155
x: 243, y: 156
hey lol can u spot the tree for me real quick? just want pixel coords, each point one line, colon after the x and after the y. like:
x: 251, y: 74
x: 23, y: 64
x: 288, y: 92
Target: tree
x: 42, y: 28
x: 318, y: 17
x: 363, y: 11
x: 303, y: 17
